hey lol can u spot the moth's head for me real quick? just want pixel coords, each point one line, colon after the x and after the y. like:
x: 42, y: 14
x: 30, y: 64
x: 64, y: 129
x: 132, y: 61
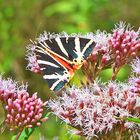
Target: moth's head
x: 77, y: 63
x: 79, y: 59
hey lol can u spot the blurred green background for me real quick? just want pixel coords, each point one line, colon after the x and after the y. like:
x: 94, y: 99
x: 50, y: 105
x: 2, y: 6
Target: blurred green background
x: 21, y: 20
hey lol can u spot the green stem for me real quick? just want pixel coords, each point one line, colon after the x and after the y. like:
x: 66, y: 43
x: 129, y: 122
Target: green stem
x: 115, y: 72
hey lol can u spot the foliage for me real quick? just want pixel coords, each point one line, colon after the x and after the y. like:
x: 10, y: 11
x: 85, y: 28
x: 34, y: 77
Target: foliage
x: 22, y: 20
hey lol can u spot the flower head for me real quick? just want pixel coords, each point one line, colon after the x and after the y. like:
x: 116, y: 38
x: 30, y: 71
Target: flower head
x: 92, y: 108
x: 24, y: 111
x: 21, y: 110
x: 113, y: 50
x: 32, y: 59
x: 8, y: 89
x: 124, y: 44
x: 136, y: 66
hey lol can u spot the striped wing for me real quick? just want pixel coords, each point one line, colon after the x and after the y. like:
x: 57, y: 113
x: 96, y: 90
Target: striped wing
x: 59, y: 58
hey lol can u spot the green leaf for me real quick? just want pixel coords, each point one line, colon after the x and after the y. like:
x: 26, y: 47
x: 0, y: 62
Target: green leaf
x: 45, y: 115
x: 130, y: 119
x: 135, y: 120
x: 24, y: 134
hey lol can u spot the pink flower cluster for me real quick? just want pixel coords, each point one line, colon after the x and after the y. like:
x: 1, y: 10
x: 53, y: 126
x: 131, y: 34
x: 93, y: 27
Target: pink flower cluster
x: 98, y: 108
x: 113, y: 50
x: 8, y: 89
x: 124, y: 44
x: 93, y: 108
x: 21, y: 110
x: 32, y: 59
x: 136, y: 66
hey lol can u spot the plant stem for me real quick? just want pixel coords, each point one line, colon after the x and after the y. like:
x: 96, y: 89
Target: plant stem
x: 17, y: 136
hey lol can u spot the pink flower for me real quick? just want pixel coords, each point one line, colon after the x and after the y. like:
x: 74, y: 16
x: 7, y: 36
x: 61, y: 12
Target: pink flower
x: 113, y: 51
x: 21, y: 110
x: 92, y: 109
x: 8, y: 89
x: 32, y: 59
x: 24, y: 111
x: 136, y: 66
x: 124, y: 44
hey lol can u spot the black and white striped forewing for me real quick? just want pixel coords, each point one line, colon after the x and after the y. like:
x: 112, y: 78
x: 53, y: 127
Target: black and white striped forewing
x: 67, y: 49
x: 53, y: 72
x: 70, y: 48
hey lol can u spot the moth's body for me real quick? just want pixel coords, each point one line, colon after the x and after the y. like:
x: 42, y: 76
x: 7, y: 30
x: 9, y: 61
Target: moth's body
x: 59, y: 58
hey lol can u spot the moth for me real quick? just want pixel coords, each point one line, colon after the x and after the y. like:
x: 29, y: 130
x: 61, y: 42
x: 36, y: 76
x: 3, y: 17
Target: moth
x: 60, y: 57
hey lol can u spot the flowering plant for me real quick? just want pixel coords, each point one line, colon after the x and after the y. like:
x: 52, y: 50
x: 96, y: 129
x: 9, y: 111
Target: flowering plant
x: 101, y: 109
x: 96, y: 109
x: 22, y: 111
